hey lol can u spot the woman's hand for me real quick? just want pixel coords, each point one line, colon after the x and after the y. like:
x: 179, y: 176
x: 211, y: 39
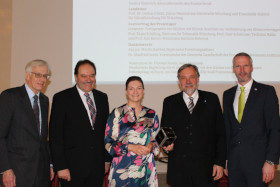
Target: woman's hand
x: 139, y: 149
x: 150, y: 146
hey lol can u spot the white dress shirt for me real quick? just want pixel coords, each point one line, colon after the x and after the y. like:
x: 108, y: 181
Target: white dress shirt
x: 237, y: 94
x: 84, y: 99
x: 195, y: 97
x: 31, y: 95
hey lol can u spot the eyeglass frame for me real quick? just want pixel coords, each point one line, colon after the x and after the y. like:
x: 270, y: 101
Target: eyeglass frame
x: 39, y: 75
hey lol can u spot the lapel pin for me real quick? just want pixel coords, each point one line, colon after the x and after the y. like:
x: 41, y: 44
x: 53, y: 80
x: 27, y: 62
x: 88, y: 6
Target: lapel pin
x: 256, y: 89
x: 205, y: 101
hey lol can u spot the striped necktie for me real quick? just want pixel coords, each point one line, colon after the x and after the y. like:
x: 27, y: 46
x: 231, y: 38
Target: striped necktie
x: 91, y: 108
x: 191, y: 104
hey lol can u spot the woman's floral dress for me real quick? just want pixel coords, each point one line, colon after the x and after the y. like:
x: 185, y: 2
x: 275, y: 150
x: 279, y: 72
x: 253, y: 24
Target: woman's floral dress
x: 123, y: 128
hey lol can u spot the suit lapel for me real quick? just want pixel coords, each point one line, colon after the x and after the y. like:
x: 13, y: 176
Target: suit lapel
x: 98, y: 105
x: 251, y: 100
x: 182, y: 104
x: 182, y: 108
x: 29, y: 110
x: 80, y: 105
x: 231, y: 100
x: 44, y: 112
x: 199, y: 107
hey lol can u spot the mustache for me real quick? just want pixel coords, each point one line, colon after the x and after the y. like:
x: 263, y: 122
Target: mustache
x: 188, y: 84
x: 89, y: 82
x: 243, y: 73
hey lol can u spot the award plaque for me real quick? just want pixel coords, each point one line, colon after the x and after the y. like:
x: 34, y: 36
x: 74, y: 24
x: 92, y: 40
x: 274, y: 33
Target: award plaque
x: 165, y: 136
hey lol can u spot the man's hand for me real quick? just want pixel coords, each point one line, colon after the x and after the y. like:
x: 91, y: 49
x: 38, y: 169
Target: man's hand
x: 64, y: 174
x: 226, y: 169
x: 139, y: 149
x: 268, y: 172
x: 51, y: 173
x: 9, y: 178
x: 169, y: 148
x: 217, y: 172
x: 107, y: 167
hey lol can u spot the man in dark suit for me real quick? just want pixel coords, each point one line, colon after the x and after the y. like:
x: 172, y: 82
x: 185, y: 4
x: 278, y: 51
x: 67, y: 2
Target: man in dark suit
x: 24, y: 155
x: 77, y: 128
x: 251, y: 113
x: 197, y: 157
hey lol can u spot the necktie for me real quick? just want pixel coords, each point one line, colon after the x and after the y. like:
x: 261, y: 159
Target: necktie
x: 191, y: 104
x: 91, y: 108
x: 36, y: 111
x: 241, y: 104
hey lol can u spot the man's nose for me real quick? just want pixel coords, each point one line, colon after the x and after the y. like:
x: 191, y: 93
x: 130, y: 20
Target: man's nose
x: 88, y: 79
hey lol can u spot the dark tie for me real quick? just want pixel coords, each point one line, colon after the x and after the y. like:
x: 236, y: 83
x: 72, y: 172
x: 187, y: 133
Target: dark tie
x: 91, y: 108
x: 191, y: 104
x: 36, y: 112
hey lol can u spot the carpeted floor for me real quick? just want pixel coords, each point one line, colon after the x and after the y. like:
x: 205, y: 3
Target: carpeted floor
x: 274, y: 183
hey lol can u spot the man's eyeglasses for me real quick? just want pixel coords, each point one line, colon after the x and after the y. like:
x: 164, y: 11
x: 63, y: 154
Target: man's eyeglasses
x: 39, y: 75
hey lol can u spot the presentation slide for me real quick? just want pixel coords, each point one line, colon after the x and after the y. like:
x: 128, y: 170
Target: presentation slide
x: 153, y: 38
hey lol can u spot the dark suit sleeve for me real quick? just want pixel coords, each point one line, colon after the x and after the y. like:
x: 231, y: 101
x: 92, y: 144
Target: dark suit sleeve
x: 108, y: 157
x: 6, y: 114
x: 165, y: 117
x: 221, y: 145
x: 56, y: 134
x: 226, y: 122
x: 272, y: 122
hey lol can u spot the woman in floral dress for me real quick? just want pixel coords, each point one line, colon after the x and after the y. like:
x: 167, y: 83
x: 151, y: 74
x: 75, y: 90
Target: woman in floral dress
x: 130, y: 139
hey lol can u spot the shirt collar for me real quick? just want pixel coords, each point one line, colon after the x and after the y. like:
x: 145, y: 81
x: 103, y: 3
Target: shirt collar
x: 194, y: 95
x: 81, y: 92
x: 247, y: 86
x: 30, y: 92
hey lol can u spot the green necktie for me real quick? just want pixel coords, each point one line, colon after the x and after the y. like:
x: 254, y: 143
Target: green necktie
x: 241, y: 104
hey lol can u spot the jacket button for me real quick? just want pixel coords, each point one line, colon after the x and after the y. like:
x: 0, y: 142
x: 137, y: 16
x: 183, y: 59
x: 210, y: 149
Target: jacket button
x: 190, y: 133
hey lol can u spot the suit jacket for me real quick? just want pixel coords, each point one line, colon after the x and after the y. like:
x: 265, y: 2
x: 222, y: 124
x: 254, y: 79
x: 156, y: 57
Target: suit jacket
x: 257, y: 137
x: 74, y: 145
x: 21, y: 147
x: 201, y: 140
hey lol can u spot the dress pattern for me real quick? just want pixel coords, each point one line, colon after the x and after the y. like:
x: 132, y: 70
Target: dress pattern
x: 123, y: 128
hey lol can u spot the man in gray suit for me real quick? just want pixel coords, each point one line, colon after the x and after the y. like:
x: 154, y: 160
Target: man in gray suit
x: 24, y: 153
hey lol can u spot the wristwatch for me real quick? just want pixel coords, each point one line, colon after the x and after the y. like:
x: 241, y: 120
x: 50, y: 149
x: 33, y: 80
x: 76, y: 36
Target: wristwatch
x: 269, y: 162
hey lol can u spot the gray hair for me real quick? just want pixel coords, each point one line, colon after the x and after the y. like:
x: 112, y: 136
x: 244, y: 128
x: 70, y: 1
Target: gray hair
x: 242, y: 54
x: 37, y: 62
x: 187, y: 66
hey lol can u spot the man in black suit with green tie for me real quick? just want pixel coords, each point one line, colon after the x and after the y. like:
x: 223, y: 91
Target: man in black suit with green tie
x: 251, y: 113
